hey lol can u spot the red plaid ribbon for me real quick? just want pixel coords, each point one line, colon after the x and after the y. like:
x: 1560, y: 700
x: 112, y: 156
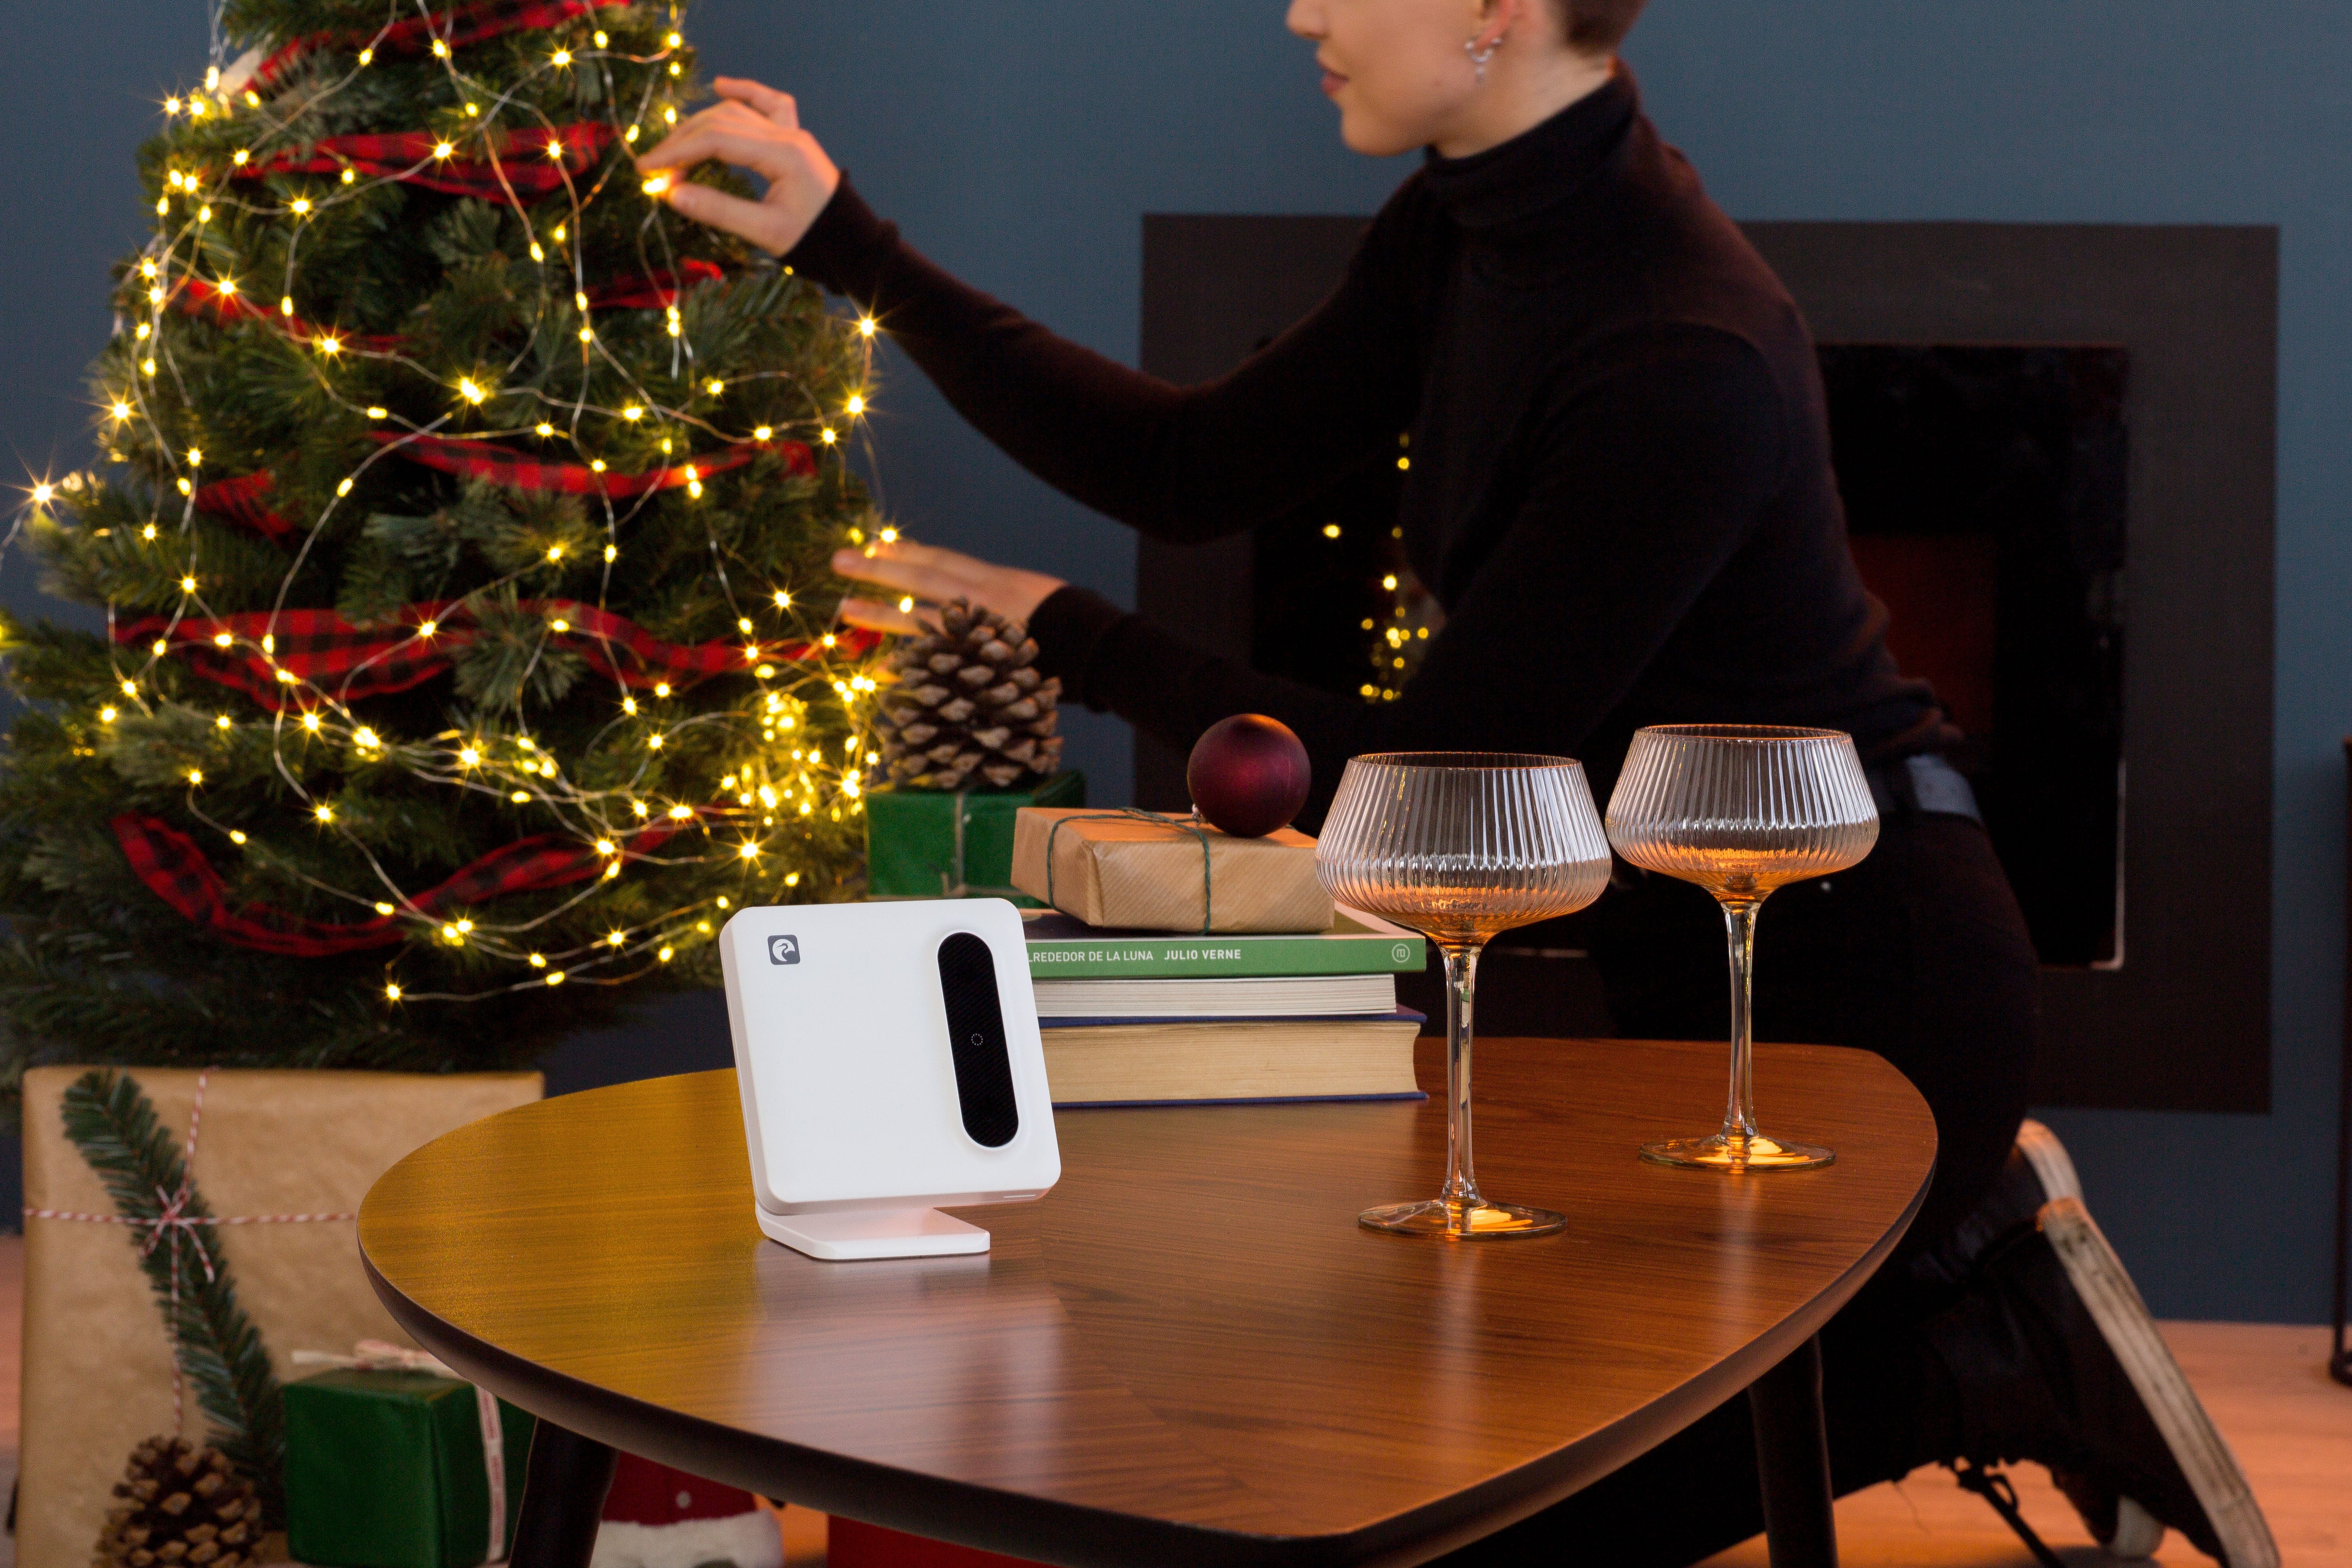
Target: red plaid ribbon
x: 520, y: 471
x: 195, y: 297
x: 239, y: 500
x: 322, y: 648
x: 458, y: 26
x: 656, y: 290
x: 522, y: 157
x: 176, y: 871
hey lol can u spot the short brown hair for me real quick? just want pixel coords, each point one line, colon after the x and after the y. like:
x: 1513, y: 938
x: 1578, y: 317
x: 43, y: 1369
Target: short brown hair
x: 1597, y: 26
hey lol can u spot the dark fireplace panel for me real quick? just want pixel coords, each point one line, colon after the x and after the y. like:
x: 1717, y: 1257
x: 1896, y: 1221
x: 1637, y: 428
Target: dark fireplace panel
x: 1981, y: 380
x: 1984, y: 491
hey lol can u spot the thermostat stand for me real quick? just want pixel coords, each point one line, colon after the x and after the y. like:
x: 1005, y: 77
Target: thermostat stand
x: 852, y: 1234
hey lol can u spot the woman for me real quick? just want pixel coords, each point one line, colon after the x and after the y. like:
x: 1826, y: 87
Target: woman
x: 1620, y: 494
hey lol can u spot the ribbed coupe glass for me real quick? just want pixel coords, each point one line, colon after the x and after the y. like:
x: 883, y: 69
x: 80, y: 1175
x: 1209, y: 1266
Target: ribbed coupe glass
x: 1741, y: 810
x: 1459, y: 845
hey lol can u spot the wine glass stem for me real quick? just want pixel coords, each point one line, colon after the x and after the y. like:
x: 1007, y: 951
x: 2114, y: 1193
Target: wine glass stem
x: 1739, y: 1113
x: 1460, y: 976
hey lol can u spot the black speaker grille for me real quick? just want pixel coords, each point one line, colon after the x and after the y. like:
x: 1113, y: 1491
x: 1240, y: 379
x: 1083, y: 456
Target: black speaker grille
x: 983, y: 1069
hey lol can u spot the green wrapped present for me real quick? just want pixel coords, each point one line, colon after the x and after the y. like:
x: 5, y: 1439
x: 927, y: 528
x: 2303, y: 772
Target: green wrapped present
x: 388, y: 1470
x: 930, y: 844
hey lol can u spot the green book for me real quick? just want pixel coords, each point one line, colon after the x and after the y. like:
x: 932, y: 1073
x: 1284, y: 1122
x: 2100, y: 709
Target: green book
x: 1062, y: 948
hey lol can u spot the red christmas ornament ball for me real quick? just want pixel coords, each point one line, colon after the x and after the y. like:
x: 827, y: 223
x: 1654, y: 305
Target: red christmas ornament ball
x: 1248, y: 775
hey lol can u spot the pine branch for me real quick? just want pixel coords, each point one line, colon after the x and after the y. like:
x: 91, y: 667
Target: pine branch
x: 111, y: 1120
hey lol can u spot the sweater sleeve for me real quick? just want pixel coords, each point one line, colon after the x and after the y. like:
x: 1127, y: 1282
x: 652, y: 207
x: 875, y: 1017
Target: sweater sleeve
x: 1644, y: 483
x: 1181, y: 464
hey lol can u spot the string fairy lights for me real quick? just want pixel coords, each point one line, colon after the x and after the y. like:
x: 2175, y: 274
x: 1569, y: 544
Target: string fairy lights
x: 235, y: 224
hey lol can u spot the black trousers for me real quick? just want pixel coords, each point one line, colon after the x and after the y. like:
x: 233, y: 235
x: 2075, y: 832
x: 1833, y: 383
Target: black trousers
x: 1920, y: 955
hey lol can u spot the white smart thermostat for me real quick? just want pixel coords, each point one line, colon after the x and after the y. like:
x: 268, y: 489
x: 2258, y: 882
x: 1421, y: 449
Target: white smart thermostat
x: 889, y: 1064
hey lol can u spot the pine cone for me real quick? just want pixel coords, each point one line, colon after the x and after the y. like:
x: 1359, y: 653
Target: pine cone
x: 182, y: 1505
x: 969, y: 701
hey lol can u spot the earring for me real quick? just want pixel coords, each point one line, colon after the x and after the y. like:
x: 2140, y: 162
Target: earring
x: 1478, y: 57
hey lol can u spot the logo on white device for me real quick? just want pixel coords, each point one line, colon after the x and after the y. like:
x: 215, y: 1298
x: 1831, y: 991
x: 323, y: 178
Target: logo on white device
x: 784, y: 949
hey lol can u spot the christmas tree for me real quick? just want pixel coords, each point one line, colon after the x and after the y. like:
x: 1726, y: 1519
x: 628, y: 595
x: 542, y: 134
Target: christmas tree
x: 462, y: 538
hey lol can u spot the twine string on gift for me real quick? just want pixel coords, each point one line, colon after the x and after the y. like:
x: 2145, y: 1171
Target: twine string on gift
x: 1190, y: 825
x: 172, y: 1219
x: 380, y: 1355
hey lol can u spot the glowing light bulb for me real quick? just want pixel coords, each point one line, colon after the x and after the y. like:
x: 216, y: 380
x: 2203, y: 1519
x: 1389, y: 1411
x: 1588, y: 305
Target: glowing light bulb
x: 661, y: 688
x: 856, y: 404
x: 366, y: 56
x: 555, y: 552
x: 384, y: 909
x: 629, y: 705
x: 906, y: 603
x: 612, y: 552
x: 366, y: 738
x: 633, y: 413
x: 441, y: 48
x: 539, y: 961
x: 222, y: 721
x: 658, y: 185
x: 311, y: 722
x: 195, y: 457
x: 343, y: 489
x: 222, y: 639
x: 538, y: 252
x: 639, y: 808
x: 391, y: 991
x: 562, y: 57
x: 235, y: 835
x: 107, y: 715
x: 520, y: 797
x: 350, y: 176
x: 667, y: 952
x: 42, y: 493
x: 323, y: 812
x: 240, y: 157
x: 866, y: 326
x: 204, y: 215
x: 676, y: 813
x: 743, y: 623
x: 330, y: 345
x: 601, y: 39
x: 472, y: 110
x: 464, y: 925
x: 672, y: 42
x: 616, y: 938
x: 587, y: 334
x: 829, y: 436
x: 763, y: 433
x: 1331, y: 531
x: 655, y: 741
x: 469, y: 756
x: 543, y: 430
x: 379, y: 413
x: 285, y: 305
x: 556, y: 978
x: 630, y: 135
x: 793, y: 880
x: 426, y: 628
x: 302, y: 206
x: 170, y: 106
x: 605, y: 847
x: 471, y: 389
x: 669, y: 115
x: 131, y: 688
x: 749, y: 851
x: 442, y: 149
x: 559, y: 626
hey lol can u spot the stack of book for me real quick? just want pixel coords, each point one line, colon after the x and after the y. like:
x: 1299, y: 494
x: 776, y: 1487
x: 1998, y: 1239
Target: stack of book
x: 1148, y: 1017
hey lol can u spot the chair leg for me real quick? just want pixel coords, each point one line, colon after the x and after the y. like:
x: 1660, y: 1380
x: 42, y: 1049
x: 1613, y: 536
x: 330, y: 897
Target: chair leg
x: 562, y: 1498
x: 1792, y: 1461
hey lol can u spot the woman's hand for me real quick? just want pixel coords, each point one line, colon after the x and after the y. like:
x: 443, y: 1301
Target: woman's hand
x: 759, y: 128
x: 930, y: 576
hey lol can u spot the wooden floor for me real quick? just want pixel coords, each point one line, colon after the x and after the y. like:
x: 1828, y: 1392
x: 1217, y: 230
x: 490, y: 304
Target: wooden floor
x: 2291, y: 1427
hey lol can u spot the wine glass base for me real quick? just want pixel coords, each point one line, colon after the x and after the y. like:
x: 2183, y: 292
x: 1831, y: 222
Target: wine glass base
x: 1469, y: 1222
x: 1721, y: 1153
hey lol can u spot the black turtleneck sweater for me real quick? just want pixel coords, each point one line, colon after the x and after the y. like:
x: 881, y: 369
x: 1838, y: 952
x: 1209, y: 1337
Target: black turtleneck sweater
x: 1620, y: 490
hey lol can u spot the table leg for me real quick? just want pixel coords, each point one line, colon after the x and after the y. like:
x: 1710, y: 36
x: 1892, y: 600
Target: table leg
x: 562, y: 1496
x: 1792, y: 1461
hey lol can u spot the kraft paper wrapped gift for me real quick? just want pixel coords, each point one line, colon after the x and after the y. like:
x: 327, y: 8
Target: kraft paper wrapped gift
x: 1135, y: 872
x: 97, y: 1362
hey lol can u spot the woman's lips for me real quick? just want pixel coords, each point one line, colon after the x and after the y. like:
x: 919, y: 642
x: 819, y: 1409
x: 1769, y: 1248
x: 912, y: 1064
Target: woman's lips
x: 1333, y: 81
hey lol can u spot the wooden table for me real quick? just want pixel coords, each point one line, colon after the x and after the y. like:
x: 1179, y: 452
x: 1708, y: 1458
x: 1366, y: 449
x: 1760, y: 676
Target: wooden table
x: 1188, y: 1353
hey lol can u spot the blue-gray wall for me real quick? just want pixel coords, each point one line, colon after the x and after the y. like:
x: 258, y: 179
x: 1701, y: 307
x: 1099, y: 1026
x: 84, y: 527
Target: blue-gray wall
x: 1021, y: 141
